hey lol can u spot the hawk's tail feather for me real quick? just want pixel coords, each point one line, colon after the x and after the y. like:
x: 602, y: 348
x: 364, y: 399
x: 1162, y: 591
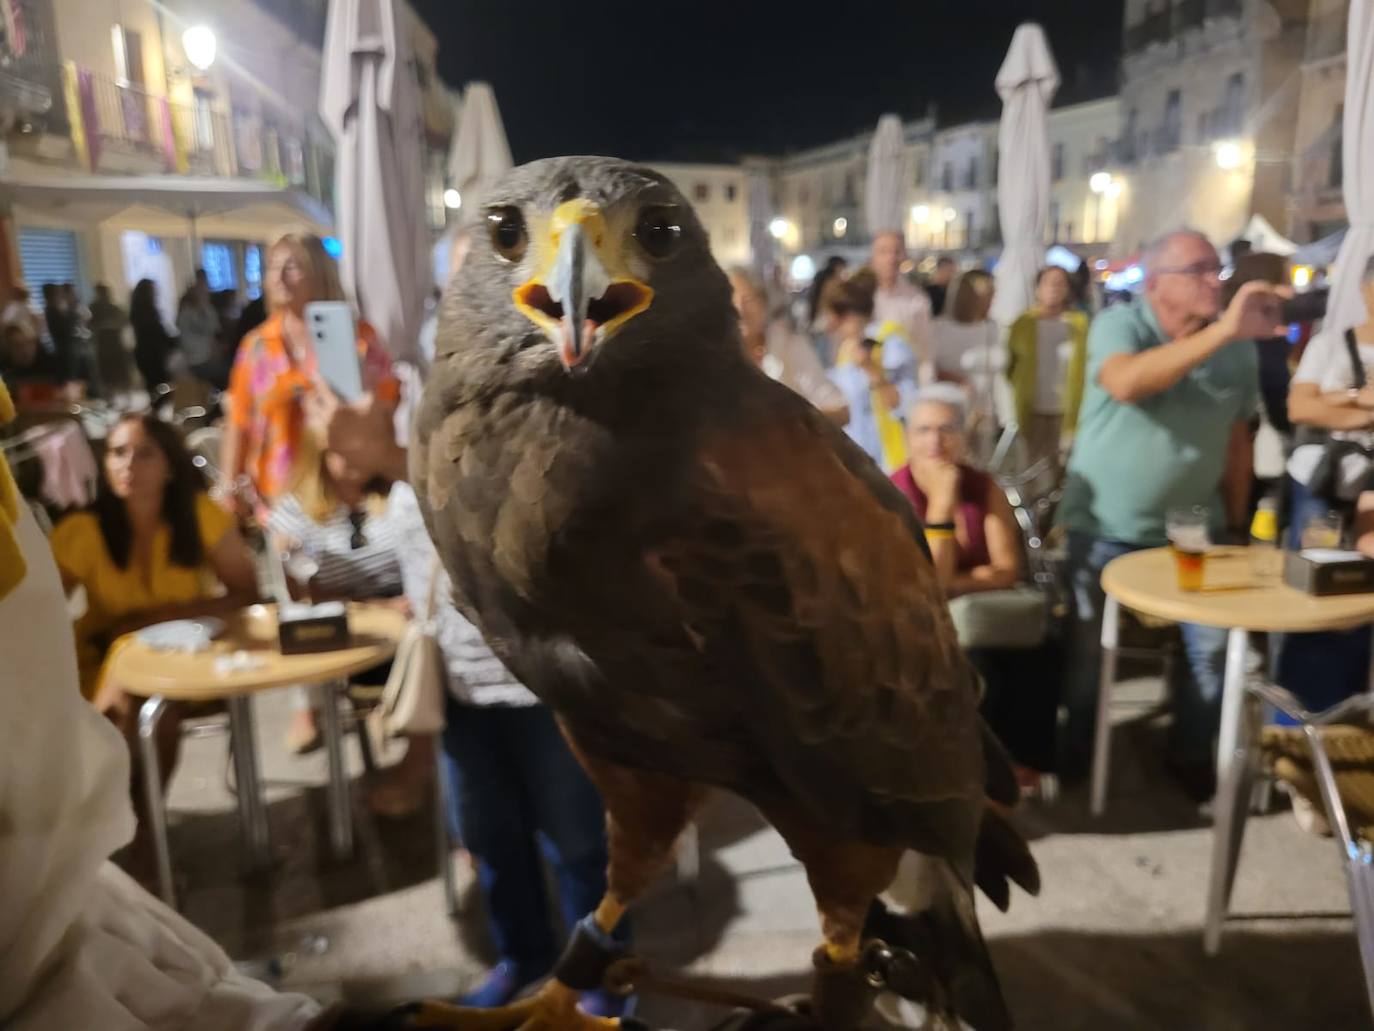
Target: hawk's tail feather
x: 933, y: 918
x: 1002, y: 857
x: 999, y: 775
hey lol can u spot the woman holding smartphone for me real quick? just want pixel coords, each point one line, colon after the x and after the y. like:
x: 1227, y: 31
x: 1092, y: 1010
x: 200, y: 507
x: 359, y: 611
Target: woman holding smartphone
x: 276, y: 375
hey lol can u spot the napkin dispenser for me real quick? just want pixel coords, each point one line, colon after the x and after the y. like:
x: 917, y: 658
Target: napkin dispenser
x: 1327, y: 571
x: 312, y: 628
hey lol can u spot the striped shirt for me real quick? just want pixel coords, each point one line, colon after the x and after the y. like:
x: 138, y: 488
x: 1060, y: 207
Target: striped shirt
x: 475, y: 675
x: 370, y: 570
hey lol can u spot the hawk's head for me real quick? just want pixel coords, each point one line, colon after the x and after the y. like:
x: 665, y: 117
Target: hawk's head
x: 577, y: 259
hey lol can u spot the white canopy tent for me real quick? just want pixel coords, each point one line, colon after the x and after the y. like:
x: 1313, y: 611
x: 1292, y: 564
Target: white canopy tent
x: 1264, y: 238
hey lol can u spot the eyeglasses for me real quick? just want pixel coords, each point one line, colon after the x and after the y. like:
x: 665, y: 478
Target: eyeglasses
x: 948, y: 429
x: 1197, y: 270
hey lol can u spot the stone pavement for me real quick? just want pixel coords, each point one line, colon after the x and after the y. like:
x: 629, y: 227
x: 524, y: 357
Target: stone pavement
x: 1112, y: 942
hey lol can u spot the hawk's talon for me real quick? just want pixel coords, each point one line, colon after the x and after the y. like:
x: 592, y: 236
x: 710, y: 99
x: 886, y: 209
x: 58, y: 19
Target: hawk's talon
x: 554, y: 1008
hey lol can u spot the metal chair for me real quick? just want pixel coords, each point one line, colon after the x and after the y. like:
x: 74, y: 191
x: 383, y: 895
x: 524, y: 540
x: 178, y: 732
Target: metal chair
x: 1232, y: 808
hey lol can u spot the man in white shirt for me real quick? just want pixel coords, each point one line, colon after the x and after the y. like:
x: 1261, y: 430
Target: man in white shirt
x: 899, y: 300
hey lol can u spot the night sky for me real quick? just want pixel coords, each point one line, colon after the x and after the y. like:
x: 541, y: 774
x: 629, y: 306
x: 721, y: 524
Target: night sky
x: 709, y: 80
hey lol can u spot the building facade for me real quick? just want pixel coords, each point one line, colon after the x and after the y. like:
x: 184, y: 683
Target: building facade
x: 1315, y: 204
x: 1209, y: 100
x: 164, y: 135
x: 719, y: 195
x: 1084, y: 194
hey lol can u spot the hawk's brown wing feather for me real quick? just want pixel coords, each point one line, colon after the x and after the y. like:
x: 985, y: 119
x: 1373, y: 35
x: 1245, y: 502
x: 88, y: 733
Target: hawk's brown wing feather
x: 801, y: 570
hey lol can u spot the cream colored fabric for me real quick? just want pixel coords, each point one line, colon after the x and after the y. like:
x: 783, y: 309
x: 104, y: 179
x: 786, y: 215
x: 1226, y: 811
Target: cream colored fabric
x: 81, y: 945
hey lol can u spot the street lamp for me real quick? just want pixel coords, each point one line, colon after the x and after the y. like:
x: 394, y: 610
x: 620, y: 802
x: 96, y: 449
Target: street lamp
x: 1229, y: 155
x: 453, y: 200
x: 1100, y: 182
x: 950, y: 214
x: 920, y: 214
x: 840, y: 226
x: 199, y: 44
x: 778, y: 227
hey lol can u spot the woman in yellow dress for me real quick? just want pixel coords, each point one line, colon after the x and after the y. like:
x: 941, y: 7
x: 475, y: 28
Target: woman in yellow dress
x: 153, y: 547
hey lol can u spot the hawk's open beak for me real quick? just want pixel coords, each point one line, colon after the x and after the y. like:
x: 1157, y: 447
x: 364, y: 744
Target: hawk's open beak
x: 581, y: 293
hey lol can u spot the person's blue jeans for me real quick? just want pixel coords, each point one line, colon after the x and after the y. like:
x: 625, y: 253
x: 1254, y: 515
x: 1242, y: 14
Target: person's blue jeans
x: 1321, y: 669
x: 515, y: 791
x: 1196, y: 691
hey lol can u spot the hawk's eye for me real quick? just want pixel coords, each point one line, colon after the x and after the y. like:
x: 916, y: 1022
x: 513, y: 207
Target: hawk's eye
x: 507, y: 228
x: 658, y: 231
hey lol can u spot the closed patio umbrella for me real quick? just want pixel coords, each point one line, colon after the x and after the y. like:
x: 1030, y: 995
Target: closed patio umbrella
x: 1026, y: 83
x: 370, y: 99
x: 1345, y: 307
x: 480, y: 154
x: 885, y: 193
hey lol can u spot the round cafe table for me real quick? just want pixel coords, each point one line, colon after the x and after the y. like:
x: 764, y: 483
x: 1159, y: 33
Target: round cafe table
x: 163, y: 677
x: 1233, y: 598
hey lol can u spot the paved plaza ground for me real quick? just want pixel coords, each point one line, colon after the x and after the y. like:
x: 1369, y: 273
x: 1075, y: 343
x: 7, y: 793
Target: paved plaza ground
x: 1113, y: 941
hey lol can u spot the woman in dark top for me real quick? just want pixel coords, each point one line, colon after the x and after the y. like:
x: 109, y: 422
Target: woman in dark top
x: 152, y: 343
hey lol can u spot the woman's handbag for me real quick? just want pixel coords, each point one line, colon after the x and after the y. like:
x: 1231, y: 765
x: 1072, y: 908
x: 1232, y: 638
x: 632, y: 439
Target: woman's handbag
x: 412, y: 702
x: 1331, y: 476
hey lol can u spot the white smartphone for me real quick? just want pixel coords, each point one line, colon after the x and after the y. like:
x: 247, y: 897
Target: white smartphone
x: 335, y: 334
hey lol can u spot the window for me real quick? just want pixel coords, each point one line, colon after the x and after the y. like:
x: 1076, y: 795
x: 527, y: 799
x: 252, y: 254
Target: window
x: 701, y: 192
x: 971, y: 174
x: 947, y: 177
x: 920, y: 164
x: 731, y: 191
x: 1335, y: 175
x: 970, y: 234
x: 1171, y: 131
x: 252, y: 271
x: 217, y: 258
x: 203, y: 116
x: 1057, y: 163
x: 128, y: 55
x: 1128, y: 149
x: 48, y: 256
x: 1068, y: 231
x: 1233, y: 104
x: 1204, y: 126
x: 1054, y: 221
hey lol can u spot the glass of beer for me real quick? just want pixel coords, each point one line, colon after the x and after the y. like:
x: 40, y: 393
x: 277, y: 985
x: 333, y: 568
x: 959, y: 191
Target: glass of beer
x: 1189, y: 540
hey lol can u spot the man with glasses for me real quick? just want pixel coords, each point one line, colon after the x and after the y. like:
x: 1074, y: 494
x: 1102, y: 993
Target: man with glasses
x: 1164, y: 425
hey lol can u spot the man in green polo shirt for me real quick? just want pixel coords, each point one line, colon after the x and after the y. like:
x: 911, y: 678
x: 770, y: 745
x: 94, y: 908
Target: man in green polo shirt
x: 1164, y: 424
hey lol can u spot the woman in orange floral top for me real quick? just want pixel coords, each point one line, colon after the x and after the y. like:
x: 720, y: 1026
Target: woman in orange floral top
x: 275, y: 375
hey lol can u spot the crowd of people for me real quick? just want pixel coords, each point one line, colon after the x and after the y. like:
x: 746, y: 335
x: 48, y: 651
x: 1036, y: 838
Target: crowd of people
x: 1140, y: 408
x: 67, y: 350
x: 1146, y: 406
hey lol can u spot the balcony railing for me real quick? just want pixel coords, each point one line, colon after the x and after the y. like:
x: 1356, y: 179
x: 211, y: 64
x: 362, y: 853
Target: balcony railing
x: 124, y: 128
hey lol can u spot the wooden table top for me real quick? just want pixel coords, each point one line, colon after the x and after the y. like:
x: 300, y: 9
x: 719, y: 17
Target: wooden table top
x: 1231, y: 596
x: 180, y: 676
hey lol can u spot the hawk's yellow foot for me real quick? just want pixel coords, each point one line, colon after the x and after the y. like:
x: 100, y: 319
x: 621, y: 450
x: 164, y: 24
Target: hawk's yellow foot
x: 554, y: 1008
